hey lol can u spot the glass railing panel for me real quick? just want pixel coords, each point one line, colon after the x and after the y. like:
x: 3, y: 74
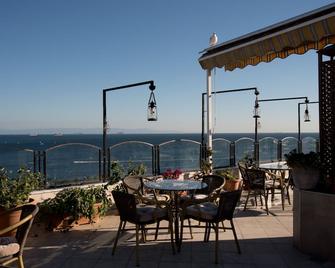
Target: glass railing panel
x: 14, y: 157
x: 268, y: 147
x: 133, y: 153
x: 181, y: 154
x: 244, y: 148
x: 221, y: 153
x: 72, y: 163
x: 308, y: 145
x: 289, y: 144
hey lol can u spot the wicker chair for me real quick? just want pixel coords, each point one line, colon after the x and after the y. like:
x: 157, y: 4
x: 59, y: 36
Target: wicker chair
x: 134, y: 185
x: 259, y: 184
x: 140, y: 216
x: 11, y: 247
x: 212, y: 214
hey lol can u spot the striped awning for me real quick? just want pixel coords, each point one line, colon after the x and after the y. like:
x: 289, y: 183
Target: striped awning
x: 312, y: 30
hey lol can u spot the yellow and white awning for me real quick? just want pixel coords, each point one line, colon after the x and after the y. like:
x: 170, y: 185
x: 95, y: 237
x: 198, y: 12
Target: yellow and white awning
x: 312, y: 30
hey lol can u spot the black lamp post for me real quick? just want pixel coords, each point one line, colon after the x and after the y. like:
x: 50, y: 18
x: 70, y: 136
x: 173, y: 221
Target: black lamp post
x: 256, y: 92
x: 152, y: 114
x: 257, y: 116
x: 306, y: 119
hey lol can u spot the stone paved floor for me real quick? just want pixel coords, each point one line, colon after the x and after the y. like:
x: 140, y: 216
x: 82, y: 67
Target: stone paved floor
x: 266, y: 241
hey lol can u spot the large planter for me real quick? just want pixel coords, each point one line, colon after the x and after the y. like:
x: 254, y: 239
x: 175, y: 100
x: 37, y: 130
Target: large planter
x: 10, y: 219
x: 96, y: 216
x: 313, y: 223
x: 305, y: 178
x: 232, y: 185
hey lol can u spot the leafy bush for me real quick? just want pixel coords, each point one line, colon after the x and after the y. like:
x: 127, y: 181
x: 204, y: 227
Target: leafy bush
x: 228, y: 174
x: 16, y: 191
x: 117, y: 171
x: 77, y: 202
x: 295, y: 159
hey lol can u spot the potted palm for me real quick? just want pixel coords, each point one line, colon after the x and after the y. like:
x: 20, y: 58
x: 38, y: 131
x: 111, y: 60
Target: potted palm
x: 305, y: 169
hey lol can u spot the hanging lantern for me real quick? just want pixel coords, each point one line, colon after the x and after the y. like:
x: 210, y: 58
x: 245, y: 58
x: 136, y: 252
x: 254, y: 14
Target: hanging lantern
x: 256, y: 109
x: 152, y: 106
x: 306, y: 115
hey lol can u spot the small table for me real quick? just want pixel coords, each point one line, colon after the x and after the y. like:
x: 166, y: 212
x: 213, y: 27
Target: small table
x: 282, y: 168
x: 175, y: 186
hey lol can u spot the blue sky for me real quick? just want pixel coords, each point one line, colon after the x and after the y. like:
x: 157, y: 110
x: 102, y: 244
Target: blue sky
x: 57, y: 56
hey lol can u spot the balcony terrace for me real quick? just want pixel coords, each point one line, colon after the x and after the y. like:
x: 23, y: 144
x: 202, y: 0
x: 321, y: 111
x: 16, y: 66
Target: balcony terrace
x: 265, y: 241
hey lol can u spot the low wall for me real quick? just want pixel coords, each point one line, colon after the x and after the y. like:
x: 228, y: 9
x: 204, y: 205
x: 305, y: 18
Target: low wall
x: 314, y: 223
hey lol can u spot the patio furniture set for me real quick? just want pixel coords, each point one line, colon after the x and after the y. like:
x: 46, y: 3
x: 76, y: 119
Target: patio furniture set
x: 150, y: 201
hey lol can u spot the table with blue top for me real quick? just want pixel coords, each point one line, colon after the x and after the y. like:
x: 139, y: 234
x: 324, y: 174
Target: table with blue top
x: 174, y: 187
x: 284, y: 171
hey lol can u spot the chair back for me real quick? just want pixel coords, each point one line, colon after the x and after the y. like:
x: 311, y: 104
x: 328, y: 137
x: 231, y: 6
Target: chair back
x: 256, y: 178
x: 227, y: 205
x: 213, y: 182
x: 126, y: 205
x: 133, y: 184
x: 242, y: 167
x: 29, y: 210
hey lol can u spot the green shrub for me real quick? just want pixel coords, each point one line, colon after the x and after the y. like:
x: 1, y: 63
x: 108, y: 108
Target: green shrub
x: 16, y: 191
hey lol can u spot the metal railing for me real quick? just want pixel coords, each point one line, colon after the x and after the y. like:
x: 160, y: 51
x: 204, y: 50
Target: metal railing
x: 80, y: 163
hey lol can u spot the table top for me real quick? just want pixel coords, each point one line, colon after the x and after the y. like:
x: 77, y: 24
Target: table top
x: 175, y: 185
x: 275, y: 165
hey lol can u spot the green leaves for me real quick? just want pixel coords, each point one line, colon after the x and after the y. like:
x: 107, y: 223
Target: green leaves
x: 295, y: 159
x: 77, y: 202
x: 16, y: 191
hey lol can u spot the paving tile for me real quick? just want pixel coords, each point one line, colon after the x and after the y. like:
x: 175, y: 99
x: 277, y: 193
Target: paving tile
x: 79, y: 262
x: 265, y: 241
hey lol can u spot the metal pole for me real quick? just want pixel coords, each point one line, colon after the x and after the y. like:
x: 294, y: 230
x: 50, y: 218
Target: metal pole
x: 203, y: 106
x: 256, y: 147
x: 299, y: 124
x: 299, y: 131
x: 104, y: 137
x: 209, y: 113
x: 203, y: 119
x: 104, y: 126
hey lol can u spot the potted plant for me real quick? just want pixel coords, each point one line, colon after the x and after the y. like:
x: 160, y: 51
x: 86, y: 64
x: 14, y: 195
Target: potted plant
x: 232, y: 179
x: 75, y: 205
x: 16, y: 191
x: 305, y: 169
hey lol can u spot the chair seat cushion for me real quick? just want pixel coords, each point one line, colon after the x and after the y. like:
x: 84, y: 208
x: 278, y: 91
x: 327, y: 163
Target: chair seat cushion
x: 206, y: 211
x: 8, y: 246
x: 150, y: 213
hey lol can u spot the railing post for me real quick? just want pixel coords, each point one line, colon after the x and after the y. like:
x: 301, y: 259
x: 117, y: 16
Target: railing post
x: 100, y: 166
x: 256, y: 153
x: 299, y: 146
x: 158, y: 166
x: 108, y: 164
x: 279, y: 150
x: 34, y: 160
x: 232, y: 155
x: 44, y: 154
x: 317, y: 145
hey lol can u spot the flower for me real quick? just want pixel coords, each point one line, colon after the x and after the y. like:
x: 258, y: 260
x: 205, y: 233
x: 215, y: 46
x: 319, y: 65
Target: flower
x: 170, y: 174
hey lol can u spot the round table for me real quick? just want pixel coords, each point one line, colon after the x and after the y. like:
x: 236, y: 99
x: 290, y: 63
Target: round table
x: 282, y: 168
x: 175, y: 186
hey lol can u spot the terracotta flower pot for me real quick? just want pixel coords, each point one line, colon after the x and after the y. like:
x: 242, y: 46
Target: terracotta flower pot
x: 11, y: 218
x: 232, y: 185
x: 95, y: 218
